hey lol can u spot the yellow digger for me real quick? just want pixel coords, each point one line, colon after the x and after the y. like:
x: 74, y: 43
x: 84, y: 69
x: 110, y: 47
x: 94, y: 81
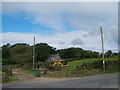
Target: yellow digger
x: 59, y: 62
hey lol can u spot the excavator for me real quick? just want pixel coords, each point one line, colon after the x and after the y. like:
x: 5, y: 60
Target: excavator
x: 59, y: 62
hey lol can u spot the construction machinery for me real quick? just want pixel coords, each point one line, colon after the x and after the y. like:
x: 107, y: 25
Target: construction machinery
x: 62, y: 63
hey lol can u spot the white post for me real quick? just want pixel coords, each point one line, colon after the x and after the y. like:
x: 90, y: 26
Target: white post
x: 102, y: 48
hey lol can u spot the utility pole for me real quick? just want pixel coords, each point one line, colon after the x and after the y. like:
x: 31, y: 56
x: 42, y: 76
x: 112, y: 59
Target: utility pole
x: 102, y: 48
x: 33, y: 53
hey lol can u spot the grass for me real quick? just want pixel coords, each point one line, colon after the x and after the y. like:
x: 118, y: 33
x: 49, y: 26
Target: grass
x: 73, y: 64
x: 71, y: 70
x: 12, y: 78
x: 28, y: 71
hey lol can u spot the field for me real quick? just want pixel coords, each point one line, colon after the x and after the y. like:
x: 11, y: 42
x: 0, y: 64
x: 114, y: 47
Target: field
x: 73, y: 64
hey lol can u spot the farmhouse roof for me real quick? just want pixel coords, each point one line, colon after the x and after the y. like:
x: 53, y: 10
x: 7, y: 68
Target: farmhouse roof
x: 54, y: 57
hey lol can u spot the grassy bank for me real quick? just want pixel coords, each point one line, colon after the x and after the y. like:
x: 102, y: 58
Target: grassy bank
x: 93, y: 67
x: 73, y: 64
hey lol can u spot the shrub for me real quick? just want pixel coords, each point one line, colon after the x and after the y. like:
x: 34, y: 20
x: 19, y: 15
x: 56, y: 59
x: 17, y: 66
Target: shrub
x: 97, y: 65
x: 7, y: 70
x: 110, y: 66
x: 46, y: 65
x: 5, y: 77
x: 27, y: 66
x: 90, y: 65
x: 57, y: 67
x: 64, y: 62
x: 43, y: 70
x: 51, y: 68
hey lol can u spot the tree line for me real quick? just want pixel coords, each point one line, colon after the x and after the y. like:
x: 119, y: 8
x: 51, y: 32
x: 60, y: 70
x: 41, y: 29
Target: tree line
x: 22, y: 53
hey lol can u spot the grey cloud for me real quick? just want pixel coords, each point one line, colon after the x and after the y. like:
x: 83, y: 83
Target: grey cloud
x: 91, y: 8
x: 91, y: 33
x: 77, y: 41
x: 62, y: 43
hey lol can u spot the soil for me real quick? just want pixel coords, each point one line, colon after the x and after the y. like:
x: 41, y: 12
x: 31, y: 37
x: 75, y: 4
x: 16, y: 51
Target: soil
x: 20, y: 75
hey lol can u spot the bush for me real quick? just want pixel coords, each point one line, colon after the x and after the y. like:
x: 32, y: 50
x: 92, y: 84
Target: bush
x: 57, y: 67
x: 96, y: 65
x: 18, y: 65
x: 64, y: 62
x: 46, y: 64
x: 5, y: 77
x: 43, y: 70
x: 110, y: 65
x: 90, y: 65
x: 7, y: 70
x: 51, y: 68
x: 27, y: 66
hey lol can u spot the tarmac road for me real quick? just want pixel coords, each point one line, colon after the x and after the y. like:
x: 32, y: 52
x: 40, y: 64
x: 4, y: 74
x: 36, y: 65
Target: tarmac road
x: 98, y: 81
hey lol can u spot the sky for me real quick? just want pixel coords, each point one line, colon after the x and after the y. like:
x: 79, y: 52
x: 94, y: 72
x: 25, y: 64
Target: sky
x: 61, y: 24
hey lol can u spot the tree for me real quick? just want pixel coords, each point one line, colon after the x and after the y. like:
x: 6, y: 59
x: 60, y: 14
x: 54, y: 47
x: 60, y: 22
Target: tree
x: 95, y: 54
x: 42, y: 51
x: 77, y: 53
x: 108, y: 53
x: 115, y: 54
x: 71, y: 53
x: 21, y: 53
x: 6, y: 54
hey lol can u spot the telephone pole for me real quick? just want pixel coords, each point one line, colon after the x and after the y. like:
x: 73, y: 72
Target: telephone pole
x: 102, y: 48
x: 33, y: 53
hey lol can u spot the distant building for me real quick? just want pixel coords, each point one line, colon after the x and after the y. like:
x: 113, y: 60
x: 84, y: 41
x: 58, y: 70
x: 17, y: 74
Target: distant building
x: 54, y: 57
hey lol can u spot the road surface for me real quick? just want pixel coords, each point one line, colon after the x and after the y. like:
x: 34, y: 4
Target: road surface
x: 98, y: 81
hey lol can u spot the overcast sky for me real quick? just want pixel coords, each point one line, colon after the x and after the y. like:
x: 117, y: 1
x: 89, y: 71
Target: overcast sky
x: 61, y: 25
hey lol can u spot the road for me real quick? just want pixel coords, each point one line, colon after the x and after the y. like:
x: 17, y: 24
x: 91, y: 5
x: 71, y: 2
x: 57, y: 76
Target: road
x: 98, y: 81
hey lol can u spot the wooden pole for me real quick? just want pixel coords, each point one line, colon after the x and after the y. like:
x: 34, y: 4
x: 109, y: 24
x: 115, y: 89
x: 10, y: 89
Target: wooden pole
x: 33, y: 53
x: 102, y: 48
